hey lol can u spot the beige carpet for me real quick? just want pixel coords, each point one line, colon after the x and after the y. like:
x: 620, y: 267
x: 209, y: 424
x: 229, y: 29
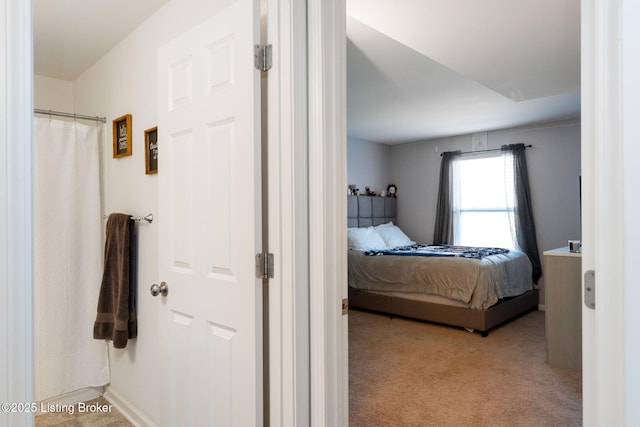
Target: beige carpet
x: 410, y: 373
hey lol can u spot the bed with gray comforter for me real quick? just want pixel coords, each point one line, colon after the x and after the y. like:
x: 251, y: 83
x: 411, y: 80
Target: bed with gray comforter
x: 437, y: 284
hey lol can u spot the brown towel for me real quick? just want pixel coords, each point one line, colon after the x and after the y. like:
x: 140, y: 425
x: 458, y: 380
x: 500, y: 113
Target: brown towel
x: 116, y: 318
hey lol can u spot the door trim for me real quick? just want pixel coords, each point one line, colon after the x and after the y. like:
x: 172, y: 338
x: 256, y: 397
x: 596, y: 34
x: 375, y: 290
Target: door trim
x: 287, y: 214
x: 16, y: 209
x: 327, y: 211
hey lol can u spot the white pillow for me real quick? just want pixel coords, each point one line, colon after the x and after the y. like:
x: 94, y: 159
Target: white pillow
x: 393, y: 236
x: 386, y: 224
x: 365, y: 239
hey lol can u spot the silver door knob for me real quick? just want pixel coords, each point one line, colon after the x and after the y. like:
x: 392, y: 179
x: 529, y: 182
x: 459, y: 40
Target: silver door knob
x: 163, y: 289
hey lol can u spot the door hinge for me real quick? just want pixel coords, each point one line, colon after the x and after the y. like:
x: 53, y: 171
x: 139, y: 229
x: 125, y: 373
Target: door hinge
x: 345, y: 306
x: 264, y: 266
x: 262, y: 55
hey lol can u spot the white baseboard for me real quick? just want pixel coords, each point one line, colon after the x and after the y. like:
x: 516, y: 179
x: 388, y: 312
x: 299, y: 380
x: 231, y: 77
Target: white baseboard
x: 129, y: 411
x: 72, y: 398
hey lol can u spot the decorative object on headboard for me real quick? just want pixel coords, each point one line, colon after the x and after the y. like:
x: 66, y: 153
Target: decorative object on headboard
x: 365, y: 211
x: 352, y: 190
x: 392, y: 190
x: 369, y: 192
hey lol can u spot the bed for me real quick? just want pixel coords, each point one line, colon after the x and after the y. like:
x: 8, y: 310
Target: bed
x: 477, y: 291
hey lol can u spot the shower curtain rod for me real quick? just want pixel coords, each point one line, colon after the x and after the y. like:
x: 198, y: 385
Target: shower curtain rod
x: 70, y: 115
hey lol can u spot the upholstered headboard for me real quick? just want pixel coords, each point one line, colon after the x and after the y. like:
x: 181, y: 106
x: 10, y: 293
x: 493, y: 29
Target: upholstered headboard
x: 365, y: 211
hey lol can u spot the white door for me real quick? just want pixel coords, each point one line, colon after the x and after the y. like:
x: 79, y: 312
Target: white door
x: 209, y: 217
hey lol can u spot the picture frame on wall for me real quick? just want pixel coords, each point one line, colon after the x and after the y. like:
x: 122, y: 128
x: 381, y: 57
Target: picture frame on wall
x: 122, y: 136
x: 151, y: 150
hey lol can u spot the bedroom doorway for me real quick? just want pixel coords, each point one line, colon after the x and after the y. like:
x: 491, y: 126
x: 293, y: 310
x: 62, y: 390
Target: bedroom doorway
x: 371, y: 159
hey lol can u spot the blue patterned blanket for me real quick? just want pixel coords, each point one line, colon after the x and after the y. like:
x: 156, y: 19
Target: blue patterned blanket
x: 441, y: 250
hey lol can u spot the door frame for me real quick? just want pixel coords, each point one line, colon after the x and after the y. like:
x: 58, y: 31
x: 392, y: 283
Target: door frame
x: 308, y: 376
x: 326, y: 27
x: 16, y: 209
x: 308, y: 367
x: 287, y: 213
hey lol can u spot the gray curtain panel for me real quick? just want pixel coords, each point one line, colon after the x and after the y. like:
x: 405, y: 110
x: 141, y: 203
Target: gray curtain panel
x: 443, y: 231
x: 525, y: 229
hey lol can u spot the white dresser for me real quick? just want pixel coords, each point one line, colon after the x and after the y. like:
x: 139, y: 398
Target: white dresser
x: 563, y: 302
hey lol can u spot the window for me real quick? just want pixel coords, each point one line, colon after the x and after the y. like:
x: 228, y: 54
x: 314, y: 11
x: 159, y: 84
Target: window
x: 483, y: 201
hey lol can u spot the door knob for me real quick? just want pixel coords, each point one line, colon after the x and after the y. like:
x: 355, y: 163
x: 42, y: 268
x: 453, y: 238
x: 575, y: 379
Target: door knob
x: 163, y: 289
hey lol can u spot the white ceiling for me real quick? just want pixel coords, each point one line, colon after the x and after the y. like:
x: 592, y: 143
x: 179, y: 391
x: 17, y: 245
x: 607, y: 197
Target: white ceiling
x: 419, y: 69
x: 71, y: 35
x: 416, y: 69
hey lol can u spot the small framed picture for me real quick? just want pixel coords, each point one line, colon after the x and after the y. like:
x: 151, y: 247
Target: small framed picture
x: 122, y: 136
x: 151, y: 150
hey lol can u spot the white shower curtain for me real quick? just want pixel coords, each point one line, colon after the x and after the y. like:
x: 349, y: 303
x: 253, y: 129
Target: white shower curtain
x: 67, y: 257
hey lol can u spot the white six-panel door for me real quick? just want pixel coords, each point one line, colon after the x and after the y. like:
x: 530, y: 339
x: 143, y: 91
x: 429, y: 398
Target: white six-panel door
x: 209, y: 219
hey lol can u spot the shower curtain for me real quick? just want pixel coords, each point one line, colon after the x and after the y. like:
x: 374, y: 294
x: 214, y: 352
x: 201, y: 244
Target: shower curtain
x: 67, y: 257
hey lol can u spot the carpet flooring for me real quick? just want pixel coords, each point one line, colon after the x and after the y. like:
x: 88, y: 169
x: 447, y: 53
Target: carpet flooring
x: 410, y: 373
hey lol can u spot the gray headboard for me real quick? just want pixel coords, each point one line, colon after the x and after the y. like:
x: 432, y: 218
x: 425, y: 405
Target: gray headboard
x: 365, y: 211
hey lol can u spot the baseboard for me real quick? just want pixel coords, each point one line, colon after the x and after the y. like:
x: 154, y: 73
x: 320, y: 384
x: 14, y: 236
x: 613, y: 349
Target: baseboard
x: 130, y: 412
x: 72, y: 398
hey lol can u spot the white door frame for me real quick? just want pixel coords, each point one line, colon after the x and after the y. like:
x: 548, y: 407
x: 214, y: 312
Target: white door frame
x: 327, y: 211
x: 16, y: 209
x: 287, y: 214
x: 610, y: 206
x: 307, y: 215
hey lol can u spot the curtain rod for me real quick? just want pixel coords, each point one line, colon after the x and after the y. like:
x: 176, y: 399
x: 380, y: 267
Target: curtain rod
x: 481, y: 151
x: 70, y: 115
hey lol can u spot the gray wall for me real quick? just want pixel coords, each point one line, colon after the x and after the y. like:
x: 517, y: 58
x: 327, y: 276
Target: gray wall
x: 368, y: 165
x: 554, y: 171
